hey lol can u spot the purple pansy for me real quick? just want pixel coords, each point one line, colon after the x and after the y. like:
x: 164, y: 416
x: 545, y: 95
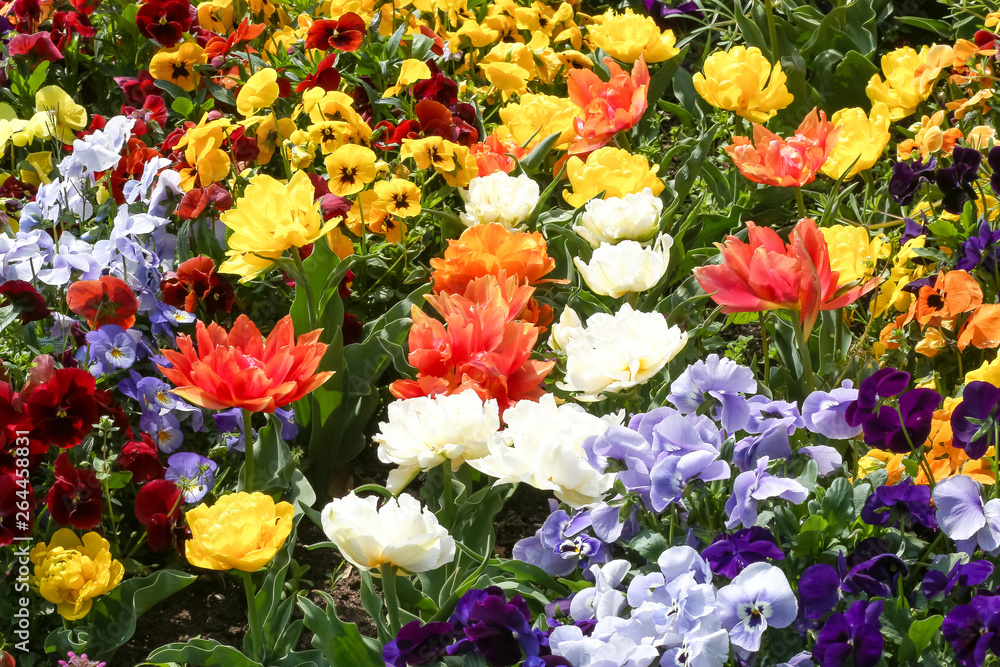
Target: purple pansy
x: 721, y: 380
x: 910, y: 501
x: 906, y: 179
x: 731, y: 554
x: 854, y: 636
x: 974, y: 422
x: 560, y: 544
x: 193, y: 474
x: 755, y: 485
x: 973, y: 629
x: 956, y: 181
x: 937, y: 582
x: 825, y: 412
x: 419, y: 644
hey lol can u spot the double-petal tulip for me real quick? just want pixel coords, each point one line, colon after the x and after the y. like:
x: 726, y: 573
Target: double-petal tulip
x: 792, y: 162
x: 742, y: 80
x: 241, y: 530
x: 768, y: 274
x: 608, y: 107
x: 239, y: 369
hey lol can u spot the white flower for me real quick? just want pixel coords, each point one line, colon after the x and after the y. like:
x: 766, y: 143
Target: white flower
x: 101, y: 149
x: 401, y: 532
x: 615, y: 270
x: 425, y: 432
x: 501, y: 198
x: 634, y: 217
x: 543, y: 446
x: 614, y: 352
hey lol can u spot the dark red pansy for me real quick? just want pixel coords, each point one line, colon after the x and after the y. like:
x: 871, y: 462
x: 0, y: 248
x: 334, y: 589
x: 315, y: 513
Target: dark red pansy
x: 76, y: 498
x: 37, y: 45
x: 17, y: 509
x: 195, y: 201
x: 332, y: 206
x: 137, y: 89
x: 27, y: 302
x: 158, y: 508
x: 196, y: 283
x: 106, y: 301
x: 326, y: 77
x: 64, y: 410
x: 343, y: 34
x: 141, y: 458
x: 166, y: 21
x: 12, y: 438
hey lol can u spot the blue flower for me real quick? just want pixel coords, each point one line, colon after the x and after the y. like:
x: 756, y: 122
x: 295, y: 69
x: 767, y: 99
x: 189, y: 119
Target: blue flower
x: 759, y: 597
x: 721, y: 380
x: 560, y: 544
x: 193, y: 474
x: 165, y: 430
x: 112, y: 347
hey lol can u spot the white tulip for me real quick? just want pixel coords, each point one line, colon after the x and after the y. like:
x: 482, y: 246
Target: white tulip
x: 425, y: 432
x: 501, y: 198
x: 616, y: 270
x: 543, y: 446
x: 634, y: 217
x: 401, y: 533
x: 614, y: 352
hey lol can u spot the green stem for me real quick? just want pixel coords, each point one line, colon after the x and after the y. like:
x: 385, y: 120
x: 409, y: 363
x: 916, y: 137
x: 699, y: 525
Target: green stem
x: 448, y: 501
x: 300, y: 269
x: 805, y: 356
x: 763, y: 342
x: 253, y: 616
x: 248, y: 466
x: 388, y: 571
x: 772, y: 30
x: 922, y: 459
x: 800, y: 202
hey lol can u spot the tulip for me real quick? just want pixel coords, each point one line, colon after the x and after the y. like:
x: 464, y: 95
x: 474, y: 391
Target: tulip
x: 240, y: 531
x: 616, y: 270
x: 608, y: 107
x: 501, y: 198
x: 71, y: 571
x: 634, y: 217
x: 862, y: 139
x: 628, y: 36
x: 792, y: 162
x: 742, y: 80
x: 909, y: 78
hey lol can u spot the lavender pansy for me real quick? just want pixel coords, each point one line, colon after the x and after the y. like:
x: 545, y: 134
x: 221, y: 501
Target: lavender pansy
x: 753, y: 486
x: 759, y: 597
x: 826, y: 412
x: 964, y: 517
x: 721, y: 380
x: 193, y: 474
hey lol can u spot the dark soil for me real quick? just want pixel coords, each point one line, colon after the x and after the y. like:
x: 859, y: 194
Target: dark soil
x: 520, y: 517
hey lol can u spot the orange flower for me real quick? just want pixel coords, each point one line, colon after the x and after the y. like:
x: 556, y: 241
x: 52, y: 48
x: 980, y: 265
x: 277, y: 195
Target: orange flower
x: 489, y: 250
x: 106, y: 301
x: 608, y: 106
x: 493, y: 155
x: 982, y: 329
x: 953, y: 293
x: 480, y: 346
x: 946, y: 460
x: 771, y: 160
x: 240, y: 369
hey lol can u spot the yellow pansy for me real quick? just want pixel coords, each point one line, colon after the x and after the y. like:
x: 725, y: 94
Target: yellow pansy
x: 743, y: 81
x: 177, y: 65
x: 613, y: 171
x: 432, y: 151
x: 70, y: 572
x: 350, y: 169
x: 241, y: 530
x: 626, y: 36
x: 507, y: 78
x: 398, y: 196
x: 41, y: 167
x: 58, y: 114
x: 216, y: 16
x: 863, y: 137
x: 410, y: 71
x: 902, y: 273
x: 259, y: 92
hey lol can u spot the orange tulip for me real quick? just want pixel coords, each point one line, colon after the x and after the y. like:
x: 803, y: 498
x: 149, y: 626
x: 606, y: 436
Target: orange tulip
x: 791, y: 162
x: 480, y: 346
x: 240, y: 369
x: 608, y: 106
x: 953, y: 293
x: 768, y: 274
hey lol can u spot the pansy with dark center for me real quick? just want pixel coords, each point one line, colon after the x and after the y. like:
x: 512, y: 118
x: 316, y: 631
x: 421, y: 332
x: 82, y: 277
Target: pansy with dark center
x: 973, y: 629
x: 731, y: 554
x: 420, y: 643
x: 956, y: 181
x: 975, y: 421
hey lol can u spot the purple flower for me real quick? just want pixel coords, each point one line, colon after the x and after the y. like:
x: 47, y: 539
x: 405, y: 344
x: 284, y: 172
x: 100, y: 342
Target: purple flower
x: 881, y: 384
x: 75, y: 660
x: 756, y: 485
x: 819, y: 589
x: 164, y: 429
x: 974, y: 422
x: 912, y: 229
x: 419, y: 644
x: 956, y: 181
x: 673, y: 473
x: 825, y: 412
x: 937, y: 582
x: 903, y: 428
x: 663, y: 14
x: 766, y: 414
x: 972, y: 630
x: 772, y: 443
x: 289, y: 429
x: 964, y: 518
x: 165, y: 319
x: 720, y: 379
x: 759, y: 597
x: 560, y: 544
x: 497, y: 630
x: 230, y: 423
x: 193, y: 474
x: 828, y: 460
x: 981, y: 248
x: 821, y: 585
x: 910, y: 501
x: 993, y: 158
x: 112, y: 347
x: 906, y: 179
x: 855, y: 636
x: 731, y: 554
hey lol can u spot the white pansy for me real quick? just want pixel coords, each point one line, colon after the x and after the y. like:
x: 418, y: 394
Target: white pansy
x: 501, y: 198
x: 401, y: 532
x: 543, y: 446
x: 425, y: 432
x: 634, y: 217
x: 614, y: 352
x: 616, y: 270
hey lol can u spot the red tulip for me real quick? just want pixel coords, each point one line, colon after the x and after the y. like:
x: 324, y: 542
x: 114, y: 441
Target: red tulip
x: 791, y: 162
x: 768, y: 274
x: 608, y: 106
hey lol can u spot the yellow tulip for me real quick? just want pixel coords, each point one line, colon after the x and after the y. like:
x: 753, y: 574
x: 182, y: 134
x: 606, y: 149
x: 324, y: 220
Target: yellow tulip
x: 742, y: 80
x: 862, y: 139
x: 260, y: 91
x: 614, y: 171
x: 853, y: 253
x: 626, y: 36
x: 70, y: 572
x: 909, y: 78
x: 535, y: 117
x: 241, y: 530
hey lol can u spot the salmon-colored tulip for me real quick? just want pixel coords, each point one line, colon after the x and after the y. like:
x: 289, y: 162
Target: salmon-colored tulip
x: 791, y: 162
x: 239, y: 369
x: 608, y: 106
x: 768, y: 274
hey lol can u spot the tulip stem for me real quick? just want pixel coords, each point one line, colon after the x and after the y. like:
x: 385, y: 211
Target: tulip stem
x: 805, y: 356
x: 763, y: 343
x: 388, y: 571
x: 248, y: 466
x: 253, y: 616
x: 772, y: 29
x: 800, y: 202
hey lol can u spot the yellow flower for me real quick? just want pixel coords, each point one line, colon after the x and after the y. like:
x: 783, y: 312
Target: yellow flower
x: 613, y: 171
x: 177, y: 65
x: 981, y: 136
x: 862, y: 139
x: 57, y: 115
x: 259, y: 92
x: 988, y: 372
x: 271, y: 217
x: 902, y: 273
x: 203, y: 151
x: 350, y: 169
x: 241, y: 530
x: 398, y: 196
x: 627, y: 36
x: 742, y: 80
x: 40, y: 167
x: 929, y: 138
x: 535, y: 117
x: 853, y: 253
x: 271, y: 133
x: 410, y: 71
x: 299, y: 149
x: 433, y: 151
x: 216, y: 15
x: 479, y: 35
x: 909, y: 77
x: 508, y: 78
x: 70, y: 572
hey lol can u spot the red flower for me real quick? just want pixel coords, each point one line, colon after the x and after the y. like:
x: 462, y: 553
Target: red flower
x: 86, y: 7
x: 158, y: 508
x: 217, y: 46
x: 27, y: 302
x: 334, y: 206
x: 76, y: 498
x: 28, y: 14
x: 437, y: 119
x: 38, y: 45
x: 393, y: 135
x: 164, y: 20
x: 67, y: 24
x: 153, y: 109
x: 137, y: 89
x: 607, y: 107
x: 326, y: 77
x: 105, y: 301
x: 140, y: 458
x: 64, y: 409
x: 195, y: 201
x: 17, y: 508
x: 343, y: 34
x: 196, y: 283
